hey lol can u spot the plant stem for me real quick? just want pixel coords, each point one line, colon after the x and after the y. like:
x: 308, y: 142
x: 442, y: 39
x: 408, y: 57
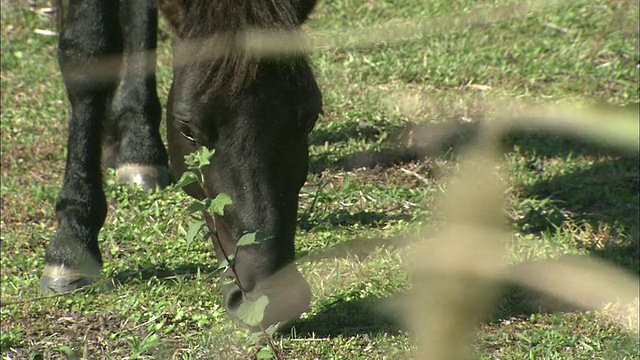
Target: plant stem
x: 210, y: 222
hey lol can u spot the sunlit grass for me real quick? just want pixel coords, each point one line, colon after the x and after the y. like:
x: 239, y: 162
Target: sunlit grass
x: 565, y: 196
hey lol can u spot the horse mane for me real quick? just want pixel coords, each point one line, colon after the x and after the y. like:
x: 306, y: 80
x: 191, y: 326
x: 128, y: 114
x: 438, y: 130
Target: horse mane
x: 217, y: 33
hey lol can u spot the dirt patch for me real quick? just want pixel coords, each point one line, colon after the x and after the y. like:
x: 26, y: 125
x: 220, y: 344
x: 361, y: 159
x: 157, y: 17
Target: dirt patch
x: 47, y: 331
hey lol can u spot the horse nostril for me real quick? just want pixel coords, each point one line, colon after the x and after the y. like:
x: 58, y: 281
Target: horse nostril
x: 233, y: 298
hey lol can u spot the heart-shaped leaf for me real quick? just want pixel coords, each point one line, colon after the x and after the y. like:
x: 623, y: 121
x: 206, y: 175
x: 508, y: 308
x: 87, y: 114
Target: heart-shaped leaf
x: 252, y: 312
x: 225, y: 263
x: 199, y: 205
x: 251, y: 238
x: 217, y: 205
x: 199, y: 158
x: 187, y: 178
x: 194, y: 229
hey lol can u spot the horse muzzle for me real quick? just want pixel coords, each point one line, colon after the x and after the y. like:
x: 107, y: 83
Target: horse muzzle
x: 287, y: 292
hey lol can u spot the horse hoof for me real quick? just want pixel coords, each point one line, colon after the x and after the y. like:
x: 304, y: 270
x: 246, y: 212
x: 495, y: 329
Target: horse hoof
x: 58, y: 278
x: 148, y: 177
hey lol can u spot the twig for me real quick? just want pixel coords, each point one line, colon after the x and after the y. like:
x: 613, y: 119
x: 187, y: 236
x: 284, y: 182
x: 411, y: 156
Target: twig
x: 45, y: 32
x: 178, y: 276
x: 154, y: 318
x: 6, y: 303
x: 418, y: 176
x: 559, y: 28
x: 305, y: 340
x: 276, y: 354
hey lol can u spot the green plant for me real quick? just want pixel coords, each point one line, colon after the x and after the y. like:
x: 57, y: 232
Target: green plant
x: 141, y: 347
x: 250, y: 312
x: 10, y: 337
x: 539, y: 215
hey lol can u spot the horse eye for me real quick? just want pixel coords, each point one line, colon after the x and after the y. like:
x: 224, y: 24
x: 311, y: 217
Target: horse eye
x: 186, y: 132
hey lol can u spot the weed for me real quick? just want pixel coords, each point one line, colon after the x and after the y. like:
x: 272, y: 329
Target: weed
x: 250, y: 312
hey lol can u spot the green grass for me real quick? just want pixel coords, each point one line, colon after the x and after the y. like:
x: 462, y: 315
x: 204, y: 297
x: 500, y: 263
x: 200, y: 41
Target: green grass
x: 565, y: 196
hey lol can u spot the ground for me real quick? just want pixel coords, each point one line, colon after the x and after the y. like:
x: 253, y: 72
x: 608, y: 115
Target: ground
x: 407, y: 85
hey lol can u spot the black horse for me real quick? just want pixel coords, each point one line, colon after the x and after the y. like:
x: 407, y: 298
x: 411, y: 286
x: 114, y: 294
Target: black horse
x: 256, y: 112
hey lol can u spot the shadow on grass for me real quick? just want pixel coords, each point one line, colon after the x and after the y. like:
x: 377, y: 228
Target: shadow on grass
x: 573, y: 283
x: 165, y: 272
x: 604, y: 195
x: 348, y: 131
x: 359, y: 247
x: 351, y: 317
x: 409, y: 143
x: 517, y: 301
x: 550, y: 144
x: 416, y: 141
x: 344, y: 218
x: 385, y: 315
x: 375, y: 315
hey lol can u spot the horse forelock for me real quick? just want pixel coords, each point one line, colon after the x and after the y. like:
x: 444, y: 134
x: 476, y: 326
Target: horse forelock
x: 206, y: 17
x: 219, y: 30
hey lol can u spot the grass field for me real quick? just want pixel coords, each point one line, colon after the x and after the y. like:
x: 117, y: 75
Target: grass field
x: 379, y: 159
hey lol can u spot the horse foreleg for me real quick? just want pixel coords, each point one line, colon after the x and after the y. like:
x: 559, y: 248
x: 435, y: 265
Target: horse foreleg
x: 140, y: 155
x: 88, y: 53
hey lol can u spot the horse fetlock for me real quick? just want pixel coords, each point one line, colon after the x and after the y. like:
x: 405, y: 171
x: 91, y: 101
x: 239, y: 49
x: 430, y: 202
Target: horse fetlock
x: 148, y: 177
x: 60, y: 278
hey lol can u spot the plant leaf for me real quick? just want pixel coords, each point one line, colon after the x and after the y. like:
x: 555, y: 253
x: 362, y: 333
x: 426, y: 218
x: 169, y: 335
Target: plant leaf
x: 251, y: 238
x: 187, y: 178
x: 272, y: 329
x: 151, y: 341
x: 204, y: 157
x: 199, y: 205
x: 71, y: 355
x: 194, y: 229
x: 252, y: 312
x: 226, y: 262
x: 219, y: 202
x: 254, y: 336
x: 265, y: 353
x: 199, y: 158
x: 228, y: 281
